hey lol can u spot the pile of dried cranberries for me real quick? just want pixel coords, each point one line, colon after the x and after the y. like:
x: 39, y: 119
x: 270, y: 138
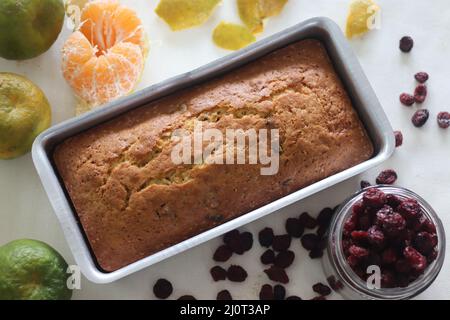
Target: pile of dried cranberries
x: 392, y: 233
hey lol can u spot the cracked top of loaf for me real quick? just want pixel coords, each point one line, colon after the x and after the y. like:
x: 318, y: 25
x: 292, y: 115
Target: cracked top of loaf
x: 133, y: 201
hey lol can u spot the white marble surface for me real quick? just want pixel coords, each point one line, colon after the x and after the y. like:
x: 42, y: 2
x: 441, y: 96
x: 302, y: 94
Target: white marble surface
x: 422, y: 163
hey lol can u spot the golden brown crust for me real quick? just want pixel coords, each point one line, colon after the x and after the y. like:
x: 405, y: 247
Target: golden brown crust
x: 133, y: 201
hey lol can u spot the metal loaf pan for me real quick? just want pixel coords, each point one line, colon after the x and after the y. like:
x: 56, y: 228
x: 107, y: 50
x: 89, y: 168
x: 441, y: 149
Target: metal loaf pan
x: 348, y: 68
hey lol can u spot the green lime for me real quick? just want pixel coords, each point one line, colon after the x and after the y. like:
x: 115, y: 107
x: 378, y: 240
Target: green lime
x: 24, y: 113
x: 28, y: 28
x: 32, y: 270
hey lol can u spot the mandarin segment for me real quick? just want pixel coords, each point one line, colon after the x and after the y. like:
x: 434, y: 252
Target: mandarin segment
x: 105, y: 58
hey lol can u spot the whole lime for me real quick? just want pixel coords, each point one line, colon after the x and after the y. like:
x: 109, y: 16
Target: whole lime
x: 24, y: 113
x: 32, y: 270
x: 28, y: 28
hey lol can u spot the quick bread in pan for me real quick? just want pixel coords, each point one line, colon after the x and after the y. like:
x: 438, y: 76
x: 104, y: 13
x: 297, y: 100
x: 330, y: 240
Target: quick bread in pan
x: 133, y: 200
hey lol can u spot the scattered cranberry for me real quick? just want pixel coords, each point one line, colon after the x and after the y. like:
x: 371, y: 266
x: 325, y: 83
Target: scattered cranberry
x: 281, y: 243
x: 387, y: 177
x: 398, y: 138
x: 233, y: 240
x: 222, y: 254
x: 246, y: 240
x: 421, y: 77
x: 294, y: 227
x: 187, y: 297
x: 374, y: 197
x: 236, y: 274
x: 407, y: 99
x: 308, y: 221
x: 443, y: 119
x: 265, y: 237
x: 319, y: 298
x: 218, y: 273
x: 420, y: 93
x: 321, y: 289
x: 324, y: 217
x: 420, y: 117
x: 284, y: 259
x: 162, y: 289
x: 336, y: 285
x: 277, y: 274
x: 266, y: 292
x: 224, y: 295
x: 268, y: 257
x: 406, y: 44
x: 293, y: 298
x: 316, y: 253
x: 364, y: 184
x: 310, y: 241
x: 279, y: 292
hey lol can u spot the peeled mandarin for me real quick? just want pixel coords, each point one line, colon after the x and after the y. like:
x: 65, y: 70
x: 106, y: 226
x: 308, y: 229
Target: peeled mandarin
x: 182, y: 14
x: 232, y: 36
x: 360, y: 16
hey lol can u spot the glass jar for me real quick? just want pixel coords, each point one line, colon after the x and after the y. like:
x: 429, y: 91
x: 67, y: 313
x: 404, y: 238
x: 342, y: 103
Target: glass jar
x: 350, y: 285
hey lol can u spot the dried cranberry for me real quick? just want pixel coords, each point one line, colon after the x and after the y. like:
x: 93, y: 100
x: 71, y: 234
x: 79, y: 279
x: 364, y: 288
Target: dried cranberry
x: 393, y: 201
x: 392, y: 224
x: 236, y: 274
x: 374, y: 197
x: 406, y: 44
x: 294, y: 228
x: 224, y: 295
x: 322, y: 231
x: 389, y: 256
x: 365, y: 221
x: 443, y: 119
x: 358, y: 252
x: 268, y: 257
x: 336, y: 285
x: 307, y: 221
x: 398, y: 138
x: 420, y: 117
x: 277, y: 274
x: 416, y: 260
x: 218, y: 273
x: 359, y: 207
x: 281, y: 243
x: 233, y: 240
x: 265, y: 237
x: 266, y: 292
x: 324, y: 217
x: 432, y: 256
x: 222, y: 254
x: 310, y: 241
x: 359, y: 236
x: 316, y: 253
x: 407, y: 99
x: 409, y: 209
x: 420, y: 93
x: 293, y: 298
x: 279, y: 292
x: 428, y: 226
x: 162, y: 289
x: 421, y: 77
x: 321, y: 289
x: 376, y: 237
x: 353, y: 261
x: 284, y: 259
x: 187, y: 297
x: 387, y: 177
x: 364, y: 184
x: 246, y: 240
x: 424, y: 242
x: 387, y: 280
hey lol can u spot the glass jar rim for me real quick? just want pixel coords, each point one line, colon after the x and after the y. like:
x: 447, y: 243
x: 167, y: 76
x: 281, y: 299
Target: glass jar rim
x: 352, y: 280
